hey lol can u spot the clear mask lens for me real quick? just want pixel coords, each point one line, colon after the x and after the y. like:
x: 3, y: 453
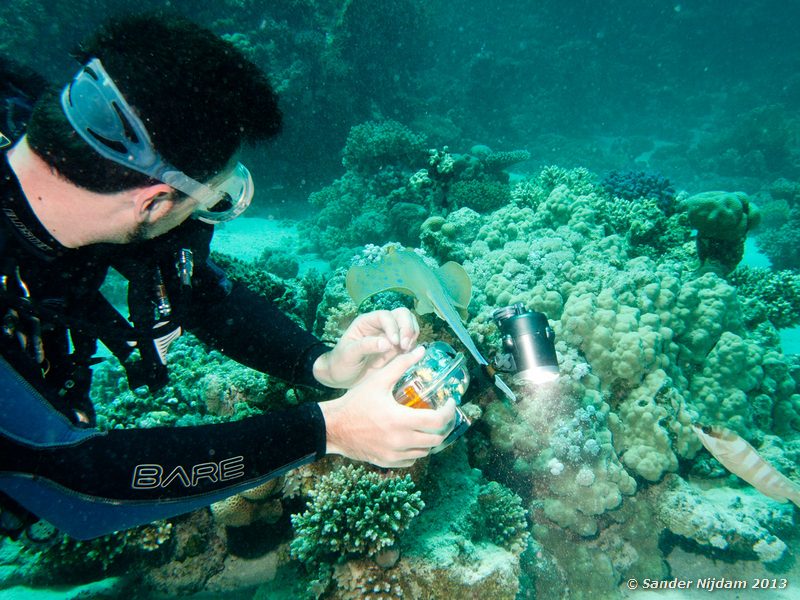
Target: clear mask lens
x: 233, y: 193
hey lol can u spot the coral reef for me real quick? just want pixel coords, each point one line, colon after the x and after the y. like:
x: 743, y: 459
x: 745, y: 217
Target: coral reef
x: 646, y: 347
x: 603, y: 462
x: 739, y: 522
x: 722, y: 220
x: 767, y: 294
x: 636, y: 185
x: 392, y: 186
x: 353, y: 511
x: 500, y: 517
x: 757, y: 142
x: 205, y: 387
x: 68, y: 560
x: 780, y: 241
x: 577, y: 472
x: 198, y: 553
x: 481, y: 196
x: 372, y: 146
x: 261, y: 503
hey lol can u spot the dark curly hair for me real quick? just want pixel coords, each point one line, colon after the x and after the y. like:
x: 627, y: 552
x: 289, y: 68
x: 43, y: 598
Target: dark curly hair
x: 198, y: 96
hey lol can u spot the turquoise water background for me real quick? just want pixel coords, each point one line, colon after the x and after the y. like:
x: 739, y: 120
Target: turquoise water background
x: 551, y: 148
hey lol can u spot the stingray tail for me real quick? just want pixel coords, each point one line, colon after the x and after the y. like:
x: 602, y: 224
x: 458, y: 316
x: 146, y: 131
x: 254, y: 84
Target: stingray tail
x: 491, y: 373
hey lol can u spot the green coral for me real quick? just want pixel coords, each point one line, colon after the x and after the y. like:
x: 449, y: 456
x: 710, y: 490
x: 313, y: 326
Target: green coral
x: 777, y: 293
x: 204, y: 387
x: 497, y: 161
x: 648, y: 231
x: 500, y: 517
x: 720, y: 215
x: 479, y: 195
x: 534, y: 191
x: 722, y: 220
x: 71, y: 560
x: 373, y: 145
x: 580, y: 181
x: 354, y: 511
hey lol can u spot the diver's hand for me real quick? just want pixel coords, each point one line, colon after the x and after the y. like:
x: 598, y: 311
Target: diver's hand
x: 372, y: 340
x: 368, y: 424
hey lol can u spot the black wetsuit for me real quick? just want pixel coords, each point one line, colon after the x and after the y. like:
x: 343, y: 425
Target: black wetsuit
x: 103, y: 481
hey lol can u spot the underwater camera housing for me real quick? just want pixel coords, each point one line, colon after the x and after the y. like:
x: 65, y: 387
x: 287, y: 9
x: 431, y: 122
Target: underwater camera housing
x: 529, y: 344
x: 439, y: 375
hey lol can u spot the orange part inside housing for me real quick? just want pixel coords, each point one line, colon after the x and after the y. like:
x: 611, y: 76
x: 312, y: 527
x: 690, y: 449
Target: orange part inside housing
x: 413, y: 399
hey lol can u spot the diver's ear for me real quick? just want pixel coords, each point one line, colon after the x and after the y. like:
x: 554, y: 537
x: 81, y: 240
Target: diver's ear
x: 153, y: 202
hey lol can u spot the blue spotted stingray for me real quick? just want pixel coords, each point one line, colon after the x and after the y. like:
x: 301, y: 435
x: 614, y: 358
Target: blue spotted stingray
x: 445, y: 291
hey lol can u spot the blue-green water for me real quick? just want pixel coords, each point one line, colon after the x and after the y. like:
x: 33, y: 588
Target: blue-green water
x: 552, y: 149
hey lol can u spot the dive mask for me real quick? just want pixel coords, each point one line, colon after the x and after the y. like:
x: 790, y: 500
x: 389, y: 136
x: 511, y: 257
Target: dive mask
x: 98, y: 111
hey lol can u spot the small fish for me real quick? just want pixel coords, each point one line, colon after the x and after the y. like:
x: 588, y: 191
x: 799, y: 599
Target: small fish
x: 744, y: 461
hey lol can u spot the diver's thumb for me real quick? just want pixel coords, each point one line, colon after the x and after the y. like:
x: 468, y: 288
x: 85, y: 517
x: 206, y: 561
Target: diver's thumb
x: 401, y: 363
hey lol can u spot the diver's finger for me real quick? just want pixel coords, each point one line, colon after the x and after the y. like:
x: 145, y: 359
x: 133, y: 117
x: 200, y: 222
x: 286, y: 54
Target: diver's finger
x: 397, y: 463
x: 367, y: 346
x: 389, y: 326
x: 404, y: 457
x: 408, y: 327
x: 419, y: 441
x: 439, y: 422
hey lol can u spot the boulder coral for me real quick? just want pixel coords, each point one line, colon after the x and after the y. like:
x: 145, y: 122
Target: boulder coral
x: 722, y: 220
x: 659, y: 343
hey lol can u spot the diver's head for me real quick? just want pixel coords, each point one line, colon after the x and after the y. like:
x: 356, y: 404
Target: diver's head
x: 174, y: 110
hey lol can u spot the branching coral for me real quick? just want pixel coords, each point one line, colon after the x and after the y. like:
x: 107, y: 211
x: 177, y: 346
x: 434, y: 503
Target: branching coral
x: 500, y: 517
x: 354, y: 511
x: 73, y: 560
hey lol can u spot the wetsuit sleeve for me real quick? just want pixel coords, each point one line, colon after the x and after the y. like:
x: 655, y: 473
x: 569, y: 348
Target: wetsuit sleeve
x: 104, y: 482
x: 254, y: 332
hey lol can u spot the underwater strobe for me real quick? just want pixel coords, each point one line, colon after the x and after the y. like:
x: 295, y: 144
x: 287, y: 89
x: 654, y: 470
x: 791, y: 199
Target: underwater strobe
x: 529, y: 345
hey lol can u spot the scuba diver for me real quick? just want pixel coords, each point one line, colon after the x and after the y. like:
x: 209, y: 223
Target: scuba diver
x: 129, y: 166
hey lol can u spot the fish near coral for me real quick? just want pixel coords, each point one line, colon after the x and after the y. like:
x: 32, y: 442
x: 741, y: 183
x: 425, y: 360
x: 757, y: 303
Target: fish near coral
x: 744, y: 461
